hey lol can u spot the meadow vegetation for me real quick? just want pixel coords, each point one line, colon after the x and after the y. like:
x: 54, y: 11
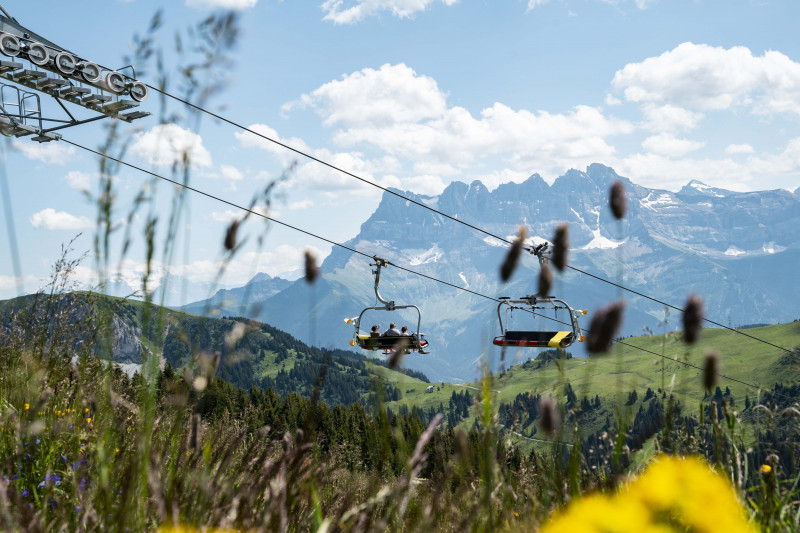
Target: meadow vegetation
x: 568, y: 444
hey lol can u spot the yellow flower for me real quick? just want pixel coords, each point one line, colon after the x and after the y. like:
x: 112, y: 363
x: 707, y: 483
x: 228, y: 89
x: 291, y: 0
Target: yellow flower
x: 89, y: 420
x: 86, y: 410
x: 673, y: 494
x: 765, y: 469
x: 68, y: 411
x: 27, y: 406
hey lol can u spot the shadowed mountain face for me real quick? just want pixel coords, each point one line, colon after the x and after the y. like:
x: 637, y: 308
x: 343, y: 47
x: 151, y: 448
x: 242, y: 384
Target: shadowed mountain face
x: 739, y: 251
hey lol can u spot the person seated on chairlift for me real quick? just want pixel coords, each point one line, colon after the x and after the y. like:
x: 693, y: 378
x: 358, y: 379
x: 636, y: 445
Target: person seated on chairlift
x: 374, y: 333
x: 392, y: 331
x: 404, y: 332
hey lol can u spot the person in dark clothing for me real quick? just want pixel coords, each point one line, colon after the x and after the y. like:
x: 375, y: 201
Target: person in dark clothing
x: 374, y: 331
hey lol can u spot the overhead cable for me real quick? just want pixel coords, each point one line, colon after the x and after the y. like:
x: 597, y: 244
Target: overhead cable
x: 354, y: 250
x: 429, y: 208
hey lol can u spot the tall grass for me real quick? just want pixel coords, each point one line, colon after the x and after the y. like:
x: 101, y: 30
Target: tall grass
x: 85, y: 447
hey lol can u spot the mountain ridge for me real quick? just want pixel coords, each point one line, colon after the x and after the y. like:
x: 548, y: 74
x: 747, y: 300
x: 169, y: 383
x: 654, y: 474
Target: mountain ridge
x: 729, y: 247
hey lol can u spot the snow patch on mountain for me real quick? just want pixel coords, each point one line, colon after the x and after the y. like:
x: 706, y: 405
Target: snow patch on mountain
x: 661, y: 201
x: 772, y: 248
x: 600, y: 242
x: 429, y: 256
x: 734, y: 251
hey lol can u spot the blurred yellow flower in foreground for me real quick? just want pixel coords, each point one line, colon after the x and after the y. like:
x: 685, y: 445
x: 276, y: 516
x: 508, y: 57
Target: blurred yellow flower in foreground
x: 765, y: 469
x: 674, y: 494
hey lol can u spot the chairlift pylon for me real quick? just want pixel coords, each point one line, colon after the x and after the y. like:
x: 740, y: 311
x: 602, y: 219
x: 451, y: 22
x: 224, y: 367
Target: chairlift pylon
x: 415, y: 341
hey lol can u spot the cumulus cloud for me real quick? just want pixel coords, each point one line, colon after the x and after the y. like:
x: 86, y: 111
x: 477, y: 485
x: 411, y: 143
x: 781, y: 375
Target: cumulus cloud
x: 257, y: 140
x: 222, y: 4
x: 80, y: 181
x: 526, y: 138
x: 707, y: 78
x: 388, y: 95
x: 300, y: 205
x: 229, y: 215
x: 168, y: 144
x: 669, y: 118
x: 666, y: 144
x: 342, y: 12
x: 54, y: 153
x: 534, y: 3
x: 739, y: 149
x: 59, y: 220
x: 657, y: 170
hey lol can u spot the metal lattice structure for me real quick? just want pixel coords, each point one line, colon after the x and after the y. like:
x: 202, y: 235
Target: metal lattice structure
x: 40, y: 65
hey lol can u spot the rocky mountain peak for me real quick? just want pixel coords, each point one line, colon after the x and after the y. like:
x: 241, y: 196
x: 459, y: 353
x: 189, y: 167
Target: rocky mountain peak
x: 698, y: 188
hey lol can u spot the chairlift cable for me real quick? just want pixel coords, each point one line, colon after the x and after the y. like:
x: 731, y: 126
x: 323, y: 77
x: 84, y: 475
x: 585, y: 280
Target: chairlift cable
x: 429, y: 208
x: 334, y: 243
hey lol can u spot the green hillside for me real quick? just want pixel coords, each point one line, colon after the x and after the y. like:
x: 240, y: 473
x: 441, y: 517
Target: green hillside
x: 243, y: 352
x: 610, y: 378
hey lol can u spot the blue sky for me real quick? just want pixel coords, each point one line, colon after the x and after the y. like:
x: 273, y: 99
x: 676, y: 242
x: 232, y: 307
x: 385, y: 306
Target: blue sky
x: 415, y: 94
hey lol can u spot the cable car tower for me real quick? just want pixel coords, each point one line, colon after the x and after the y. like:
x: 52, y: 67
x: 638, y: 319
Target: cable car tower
x: 44, y: 67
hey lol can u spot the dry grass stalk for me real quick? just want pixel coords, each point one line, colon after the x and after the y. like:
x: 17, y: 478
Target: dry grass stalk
x: 711, y: 369
x: 617, y: 200
x: 561, y: 247
x: 512, y: 257
x: 604, y: 327
x: 692, y: 319
x: 311, y: 268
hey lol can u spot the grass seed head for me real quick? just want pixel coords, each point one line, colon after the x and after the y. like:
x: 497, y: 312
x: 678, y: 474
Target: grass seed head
x: 561, y: 247
x: 512, y: 258
x: 617, y: 200
x: 545, y: 280
x: 230, y: 235
x: 710, y: 369
x: 692, y: 319
x: 604, y: 327
x: 549, y: 419
x: 312, y: 270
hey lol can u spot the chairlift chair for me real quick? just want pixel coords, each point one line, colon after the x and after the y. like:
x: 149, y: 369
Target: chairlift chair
x: 415, y: 341
x: 538, y: 339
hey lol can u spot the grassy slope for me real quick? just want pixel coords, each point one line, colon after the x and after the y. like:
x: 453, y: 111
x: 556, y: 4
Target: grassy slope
x: 613, y: 375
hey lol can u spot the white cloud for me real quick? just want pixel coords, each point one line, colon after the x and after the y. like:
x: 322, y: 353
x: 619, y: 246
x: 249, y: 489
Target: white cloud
x: 338, y: 11
x: 666, y: 144
x: 669, y: 118
x: 300, y: 206
x: 739, y: 149
x: 51, y: 219
x: 528, y: 139
x: 80, y: 181
x: 168, y: 144
x: 52, y: 152
x: 389, y: 95
x: 229, y: 215
x: 705, y: 78
x: 251, y: 140
x: 533, y: 3
x: 223, y: 4
x: 656, y: 170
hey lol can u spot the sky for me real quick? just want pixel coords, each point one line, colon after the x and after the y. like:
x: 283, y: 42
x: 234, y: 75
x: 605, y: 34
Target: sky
x: 412, y: 94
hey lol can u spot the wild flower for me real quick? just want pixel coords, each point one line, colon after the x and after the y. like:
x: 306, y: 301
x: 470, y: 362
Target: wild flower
x: 765, y: 469
x: 673, y: 494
